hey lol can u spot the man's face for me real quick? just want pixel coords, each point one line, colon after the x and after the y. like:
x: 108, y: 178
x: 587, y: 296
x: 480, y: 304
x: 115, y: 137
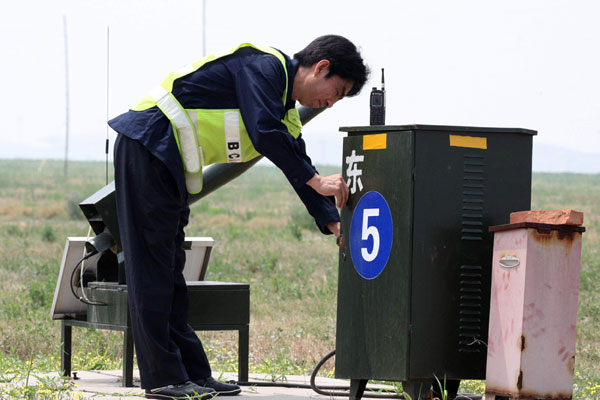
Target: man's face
x: 320, y: 91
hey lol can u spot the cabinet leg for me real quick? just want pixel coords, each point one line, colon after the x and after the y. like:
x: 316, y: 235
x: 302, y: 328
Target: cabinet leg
x: 357, y: 388
x: 417, y: 390
x: 451, y: 386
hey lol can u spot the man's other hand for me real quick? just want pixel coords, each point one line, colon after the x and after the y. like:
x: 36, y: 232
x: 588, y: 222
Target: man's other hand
x: 332, y: 185
x: 334, y: 227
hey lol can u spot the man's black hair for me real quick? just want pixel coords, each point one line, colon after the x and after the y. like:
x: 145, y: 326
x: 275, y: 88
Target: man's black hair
x: 343, y: 56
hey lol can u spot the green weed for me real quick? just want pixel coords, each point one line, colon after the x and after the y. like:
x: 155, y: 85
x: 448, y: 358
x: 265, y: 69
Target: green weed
x: 21, y: 380
x: 300, y: 221
x: 48, y: 234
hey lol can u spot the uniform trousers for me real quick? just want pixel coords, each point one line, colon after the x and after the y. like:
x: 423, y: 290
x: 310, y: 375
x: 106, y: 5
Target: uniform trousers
x: 152, y: 209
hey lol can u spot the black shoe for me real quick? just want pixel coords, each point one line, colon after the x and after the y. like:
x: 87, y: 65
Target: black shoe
x: 187, y: 390
x: 223, y: 389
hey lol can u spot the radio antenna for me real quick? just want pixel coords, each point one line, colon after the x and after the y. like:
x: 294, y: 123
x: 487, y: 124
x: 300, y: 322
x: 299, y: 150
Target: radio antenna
x: 203, y: 28
x: 66, y: 96
x: 382, y: 80
x: 107, y: 93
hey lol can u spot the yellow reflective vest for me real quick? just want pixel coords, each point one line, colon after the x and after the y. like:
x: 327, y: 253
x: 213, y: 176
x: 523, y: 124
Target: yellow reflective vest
x: 208, y: 136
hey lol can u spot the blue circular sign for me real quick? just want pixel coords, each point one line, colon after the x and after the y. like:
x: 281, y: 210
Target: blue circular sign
x: 371, y: 234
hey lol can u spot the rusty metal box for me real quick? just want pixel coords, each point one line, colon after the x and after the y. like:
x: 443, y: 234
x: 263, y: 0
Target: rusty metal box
x: 533, y: 311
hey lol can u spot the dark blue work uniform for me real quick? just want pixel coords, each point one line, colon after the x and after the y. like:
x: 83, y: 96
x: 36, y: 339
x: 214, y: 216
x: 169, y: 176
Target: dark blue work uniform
x: 152, y: 200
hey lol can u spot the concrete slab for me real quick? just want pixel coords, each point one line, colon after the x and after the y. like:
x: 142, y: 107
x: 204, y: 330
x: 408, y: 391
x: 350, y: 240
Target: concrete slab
x: 107, y: 385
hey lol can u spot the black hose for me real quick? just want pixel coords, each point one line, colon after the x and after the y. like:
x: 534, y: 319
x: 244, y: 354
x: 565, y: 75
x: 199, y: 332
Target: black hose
x: 80, y: 298
x: 346, y: 390
x: 321, y: 389
x: 314, y: 387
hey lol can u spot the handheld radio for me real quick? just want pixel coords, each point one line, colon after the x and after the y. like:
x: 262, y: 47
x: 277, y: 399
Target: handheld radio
x: 377, y: 103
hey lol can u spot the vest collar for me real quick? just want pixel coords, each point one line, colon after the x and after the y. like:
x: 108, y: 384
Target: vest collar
x: 292, y: 68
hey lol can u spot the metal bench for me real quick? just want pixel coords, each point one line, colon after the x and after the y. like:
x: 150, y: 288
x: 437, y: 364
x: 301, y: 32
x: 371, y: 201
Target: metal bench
x: 213, y: 306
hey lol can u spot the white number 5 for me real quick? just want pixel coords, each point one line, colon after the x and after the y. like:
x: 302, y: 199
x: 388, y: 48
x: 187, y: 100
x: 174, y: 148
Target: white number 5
x: 370, y: 231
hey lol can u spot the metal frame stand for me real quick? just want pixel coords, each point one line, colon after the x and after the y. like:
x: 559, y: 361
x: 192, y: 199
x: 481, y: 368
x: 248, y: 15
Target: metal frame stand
x: 229, y: 311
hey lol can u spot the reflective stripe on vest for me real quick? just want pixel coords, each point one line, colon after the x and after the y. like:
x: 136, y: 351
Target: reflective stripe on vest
x: 206, y: 136
x: 232, y: 136
x: 191, y: 149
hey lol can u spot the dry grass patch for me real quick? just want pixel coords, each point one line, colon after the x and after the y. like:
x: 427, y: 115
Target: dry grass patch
x: 11, y: 210
x: 216, y: 220
x: 265, y: 222
x: 52, y: 210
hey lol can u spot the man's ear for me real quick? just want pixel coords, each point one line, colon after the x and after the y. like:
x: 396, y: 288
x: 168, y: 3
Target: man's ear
x: 321, y: 66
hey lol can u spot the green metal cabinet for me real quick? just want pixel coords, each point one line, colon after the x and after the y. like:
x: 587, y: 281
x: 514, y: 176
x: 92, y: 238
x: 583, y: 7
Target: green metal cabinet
x: 426, y: 312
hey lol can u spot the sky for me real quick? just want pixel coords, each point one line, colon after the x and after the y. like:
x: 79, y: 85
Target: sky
x: 510, y: 63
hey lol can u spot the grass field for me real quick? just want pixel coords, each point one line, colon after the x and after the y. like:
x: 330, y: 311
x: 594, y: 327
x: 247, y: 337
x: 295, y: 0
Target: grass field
x: 264, y: 237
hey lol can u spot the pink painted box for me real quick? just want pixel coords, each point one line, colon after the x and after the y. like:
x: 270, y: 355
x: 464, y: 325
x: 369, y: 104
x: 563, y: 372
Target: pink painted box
x: 533, y: 311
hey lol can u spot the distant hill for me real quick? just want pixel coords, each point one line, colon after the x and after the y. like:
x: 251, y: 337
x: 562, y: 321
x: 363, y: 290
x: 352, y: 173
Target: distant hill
x: 327, y: 151
x: 547, y: 158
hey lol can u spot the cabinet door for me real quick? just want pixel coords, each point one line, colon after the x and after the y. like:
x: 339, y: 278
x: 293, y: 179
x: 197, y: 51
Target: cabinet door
x: 373, y: 293
x: 461, y: 189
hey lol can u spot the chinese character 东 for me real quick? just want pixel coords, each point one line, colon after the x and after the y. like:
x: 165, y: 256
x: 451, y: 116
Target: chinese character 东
x: 353, y: 172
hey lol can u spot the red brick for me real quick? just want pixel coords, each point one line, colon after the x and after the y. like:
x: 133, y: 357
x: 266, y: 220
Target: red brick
x: 552, y: 217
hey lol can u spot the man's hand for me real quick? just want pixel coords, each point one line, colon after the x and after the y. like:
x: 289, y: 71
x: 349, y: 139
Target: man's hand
x: 332, y: 185
x: 334, y: 227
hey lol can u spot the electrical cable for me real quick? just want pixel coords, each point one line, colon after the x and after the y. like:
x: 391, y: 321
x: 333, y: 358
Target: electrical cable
x: 321, y: 389
x: 107, y: 94
x: 377, y: 393
x: 80, y: 298
x: 82, y: 269
x: 314, y: 387
x: 83, y: 298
